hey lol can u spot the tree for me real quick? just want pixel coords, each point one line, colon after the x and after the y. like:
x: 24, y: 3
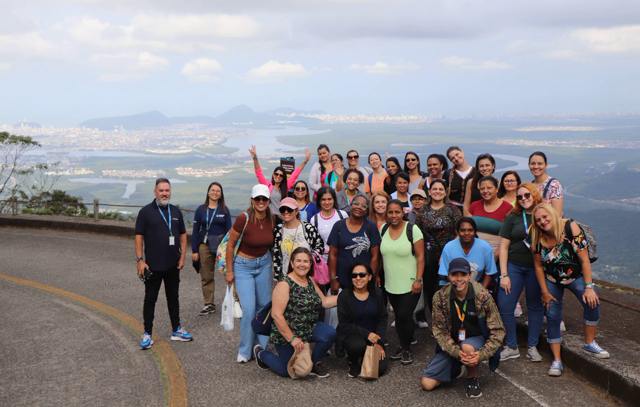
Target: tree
x: 12, y: 154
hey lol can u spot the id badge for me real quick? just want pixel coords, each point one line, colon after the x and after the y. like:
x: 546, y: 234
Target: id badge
x: 172, y: 240
x: 462, y: 335
x: 527, y: 243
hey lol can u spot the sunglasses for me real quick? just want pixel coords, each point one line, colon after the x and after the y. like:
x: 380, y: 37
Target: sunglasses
x: 261, y: 199
x: 286, y: 209
x: 411, y: 159
x: 359, y: 275
x: 353, y: 157
x: 526, y: 195
x: 300, y: 189
x: 510, y: 181
x: 278, y: 174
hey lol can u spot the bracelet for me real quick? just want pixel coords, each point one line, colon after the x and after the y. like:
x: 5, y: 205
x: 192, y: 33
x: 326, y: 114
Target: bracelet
x: 590, y: 285
x: 504, y: 275
x: 417, y: 280
x: 139, y: 259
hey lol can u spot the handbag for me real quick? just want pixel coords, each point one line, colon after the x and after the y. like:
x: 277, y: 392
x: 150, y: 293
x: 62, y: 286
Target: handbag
x: 221, y: 251
x: 226, y: 316
x: 370, y: 363
x: 320, y: 270
x: 261, y: 324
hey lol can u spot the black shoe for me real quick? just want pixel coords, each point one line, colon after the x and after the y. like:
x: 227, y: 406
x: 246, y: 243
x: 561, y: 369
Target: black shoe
x: 207, y: 309
x: 414, y: 341
x: 472, y: 388
x: 256, y: 350
x: 407, y: 357
x: 319, y: 370
x: 397, y: 355
x: 354, y: 371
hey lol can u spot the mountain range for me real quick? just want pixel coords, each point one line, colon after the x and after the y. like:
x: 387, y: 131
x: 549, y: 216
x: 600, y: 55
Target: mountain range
x: 238, y: 115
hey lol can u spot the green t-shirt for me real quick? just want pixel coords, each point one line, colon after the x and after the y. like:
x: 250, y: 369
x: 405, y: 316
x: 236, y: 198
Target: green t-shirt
x: 399, y: 263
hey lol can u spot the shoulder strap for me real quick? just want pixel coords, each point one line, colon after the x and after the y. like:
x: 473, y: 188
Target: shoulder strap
x: 410, y: 237
x: 370, y: 180
x: 384, y: 229
x: 340, y: 214
x: 315, y: 220
x: 546, y: 188
x: 568, y: 233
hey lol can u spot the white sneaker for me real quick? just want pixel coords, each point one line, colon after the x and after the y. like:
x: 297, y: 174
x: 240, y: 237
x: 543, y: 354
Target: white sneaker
x: 509, y: 353
x: 556, y: 368
x: 533, y: 354
x: 393, y: 323
x: 595, y: 350
x: 518, y: 311
x: 242, y: 359
x: 423, y: 324
x: 563, y: 328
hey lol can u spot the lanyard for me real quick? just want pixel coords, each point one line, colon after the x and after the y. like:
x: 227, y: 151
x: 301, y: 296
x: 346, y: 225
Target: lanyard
x: 168, y: 223
x: 526, y: 224
x: 209, y: 222
x: 463, y: 315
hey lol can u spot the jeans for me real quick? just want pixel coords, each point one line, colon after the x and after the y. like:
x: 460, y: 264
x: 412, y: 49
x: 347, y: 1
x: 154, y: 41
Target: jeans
x: 521, y: 278
x: 554, y: 313
x: 323, y: 336
x: 171, y: 280
x: 403, y: 306
x: 253, y: 284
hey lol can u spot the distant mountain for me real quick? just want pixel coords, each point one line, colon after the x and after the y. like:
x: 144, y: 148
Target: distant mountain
x: 23, y: 124
x: 241, y: 115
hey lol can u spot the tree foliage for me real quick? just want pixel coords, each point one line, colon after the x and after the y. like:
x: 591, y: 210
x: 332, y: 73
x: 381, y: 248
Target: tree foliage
x: 56, y: 202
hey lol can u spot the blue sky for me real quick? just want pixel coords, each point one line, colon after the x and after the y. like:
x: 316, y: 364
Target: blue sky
x: 62, y: 62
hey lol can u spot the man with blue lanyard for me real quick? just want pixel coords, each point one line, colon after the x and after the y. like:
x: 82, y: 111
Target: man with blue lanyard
x: 476, y: 251
x: 160, y: 231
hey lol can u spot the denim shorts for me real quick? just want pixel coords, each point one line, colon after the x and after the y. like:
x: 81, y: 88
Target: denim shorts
x: 443, y: 367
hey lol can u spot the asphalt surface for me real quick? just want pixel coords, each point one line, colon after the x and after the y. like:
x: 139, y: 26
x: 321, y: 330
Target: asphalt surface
x: 56, y: 352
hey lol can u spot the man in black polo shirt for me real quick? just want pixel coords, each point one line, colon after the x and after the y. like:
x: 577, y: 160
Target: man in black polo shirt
x: 160, y: 230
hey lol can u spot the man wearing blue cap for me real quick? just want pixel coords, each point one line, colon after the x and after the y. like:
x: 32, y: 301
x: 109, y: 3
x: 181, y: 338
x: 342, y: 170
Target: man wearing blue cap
x: 468, y: 329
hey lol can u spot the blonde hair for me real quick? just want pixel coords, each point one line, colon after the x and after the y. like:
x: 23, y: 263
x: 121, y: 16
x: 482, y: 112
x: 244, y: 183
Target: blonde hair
x: 372, y: 212
x: 535, y: 195
x: 557, y: 224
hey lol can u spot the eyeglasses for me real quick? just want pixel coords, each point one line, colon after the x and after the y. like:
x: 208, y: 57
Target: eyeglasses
x: 411, y: 160
x: 261, y: 199
x: 300, y: 189
x: 353, y: 157
x: 286, y: 209
x: 359, y: 275
x: 510, y: 181
x: 526, y: 195
x: 278, y: 174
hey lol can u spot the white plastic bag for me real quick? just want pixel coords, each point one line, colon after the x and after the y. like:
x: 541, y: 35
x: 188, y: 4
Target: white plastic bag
x: 237, y: 308
x: 331, y: 315
x: 226, y: 316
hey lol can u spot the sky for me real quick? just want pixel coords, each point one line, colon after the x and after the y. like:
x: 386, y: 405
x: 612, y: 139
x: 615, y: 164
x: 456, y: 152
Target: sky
x: 62, y: 62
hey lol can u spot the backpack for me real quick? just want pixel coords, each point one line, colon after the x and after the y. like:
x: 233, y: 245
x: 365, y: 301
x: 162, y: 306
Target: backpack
x: 546, y: 188
x: 409, y: 234
x: 221, y: 253
x: 588, y: 235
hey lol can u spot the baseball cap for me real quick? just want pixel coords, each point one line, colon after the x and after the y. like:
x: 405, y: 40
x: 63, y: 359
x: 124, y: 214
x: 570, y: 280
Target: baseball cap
x: 289, y: 202
x: 459, y: 265
x: 418, y: 192
x: 260, y: 190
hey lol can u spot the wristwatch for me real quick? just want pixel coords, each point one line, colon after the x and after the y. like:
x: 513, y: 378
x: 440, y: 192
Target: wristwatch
x: 139, y: 259
x: 591, y: 285
x: 417, y: 280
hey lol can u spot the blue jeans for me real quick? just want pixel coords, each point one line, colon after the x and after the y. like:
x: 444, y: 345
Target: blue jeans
x: 521, y: 277
x: 554, y: 313
x: 323, y: 336
x: 253, y: 283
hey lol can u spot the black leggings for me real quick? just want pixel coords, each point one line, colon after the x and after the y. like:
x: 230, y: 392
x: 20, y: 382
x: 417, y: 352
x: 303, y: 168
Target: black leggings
x: 403, y: 307
x: 152, y: 288
x: 355, y: 346
x: 430, y: 284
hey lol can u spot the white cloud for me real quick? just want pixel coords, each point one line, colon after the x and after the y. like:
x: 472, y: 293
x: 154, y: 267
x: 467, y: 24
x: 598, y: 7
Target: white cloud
x: 470, y: 64
x: 195, y: 25
x: 620, y: 39
x: 562, y: 54
x: 276, y: 71
x: 202, y: 70
x: 30, y: 44
x: 4, y: 66
x: 123, y: 67
x: 383, y: 68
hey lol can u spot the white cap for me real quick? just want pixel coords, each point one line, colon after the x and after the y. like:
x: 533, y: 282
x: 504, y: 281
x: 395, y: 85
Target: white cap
x: 260, y: 190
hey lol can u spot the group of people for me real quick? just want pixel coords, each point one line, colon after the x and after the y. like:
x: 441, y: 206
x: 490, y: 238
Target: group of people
x: 453, y: 245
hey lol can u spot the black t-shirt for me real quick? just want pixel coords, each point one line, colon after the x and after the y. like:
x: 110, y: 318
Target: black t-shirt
x: 159, y: 255
x: 471, y: 324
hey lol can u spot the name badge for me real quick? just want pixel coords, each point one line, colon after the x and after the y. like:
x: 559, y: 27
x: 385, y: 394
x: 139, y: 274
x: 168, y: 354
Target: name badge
x: 462, y: 335
x: 172, y: 240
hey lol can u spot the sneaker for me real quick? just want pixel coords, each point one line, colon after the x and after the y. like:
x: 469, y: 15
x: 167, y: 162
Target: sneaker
x: 407, y: 357
x: 242, y: 359
x: 146, y: 342
x: 472, y: 388
x: 595, y: 350
x: 533, y: 354
x: 354, y: 371
x: 207, y: 309
x: 393, y: 323
x: 518, y: 311
x: 319, y: 370
x: 414, y: 341
x: 563, y: 328
x: 509, y: 353
x: 463, y: 372
x: 556, y: 368
x: 181, y: 335
x: 423, y: 324
x: 256, y: 352
x: 397, y: 355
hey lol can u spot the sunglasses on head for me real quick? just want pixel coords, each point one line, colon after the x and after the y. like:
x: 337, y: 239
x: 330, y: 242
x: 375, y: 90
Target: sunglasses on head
x: 300, y: 189
x: 359, y: 275
x: 261, y: 199
x: 286, y: 209
x: 526, y: 195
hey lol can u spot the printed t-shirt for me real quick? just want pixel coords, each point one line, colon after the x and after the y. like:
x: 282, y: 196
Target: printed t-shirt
x: 399, y: 263
x: 291, y: 240
x: 352, y: 247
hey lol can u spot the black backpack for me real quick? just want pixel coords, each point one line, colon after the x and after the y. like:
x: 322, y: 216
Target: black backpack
x: 409, y: 234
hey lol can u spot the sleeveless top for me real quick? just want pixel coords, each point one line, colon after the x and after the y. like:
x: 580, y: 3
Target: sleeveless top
x: 560, y: 262
x: 302, y: 312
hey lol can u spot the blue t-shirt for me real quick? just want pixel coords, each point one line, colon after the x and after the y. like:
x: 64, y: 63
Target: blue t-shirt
x: 352, y: 247
x: 308, y: 211
x: 480, y: 258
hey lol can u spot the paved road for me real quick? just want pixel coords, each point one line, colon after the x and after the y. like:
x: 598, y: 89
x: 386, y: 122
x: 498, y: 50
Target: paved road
x: 55, y: 351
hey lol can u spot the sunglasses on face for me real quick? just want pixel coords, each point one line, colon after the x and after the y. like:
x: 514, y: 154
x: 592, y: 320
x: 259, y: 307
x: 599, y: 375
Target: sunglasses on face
x: 411, y: 160
x: 261, y: 199
x: 359, y: 275
x: 526, y: 195
x: 278, y: 174
x: 353, y: 157
x: 300, y: 189
x: 510, y: 181
x: 286, y: 209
